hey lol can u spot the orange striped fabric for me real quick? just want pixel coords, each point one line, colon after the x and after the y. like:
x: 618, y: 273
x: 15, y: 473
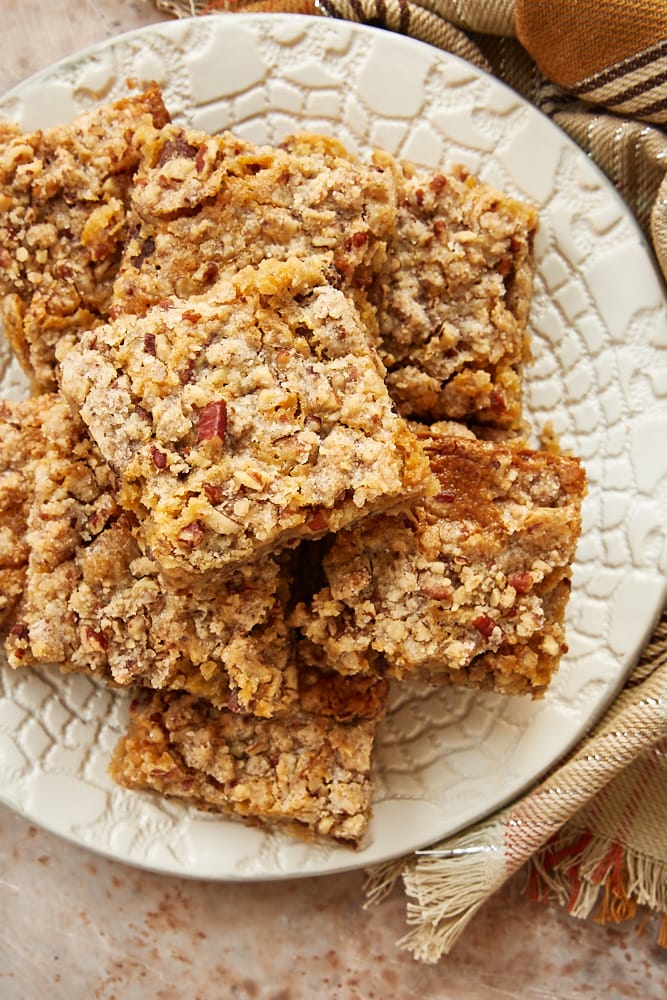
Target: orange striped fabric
x: 612, y: 52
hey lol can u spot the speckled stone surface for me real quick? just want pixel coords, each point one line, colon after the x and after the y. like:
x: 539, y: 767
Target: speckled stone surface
x: 73, y: 924
x: 76, y: 925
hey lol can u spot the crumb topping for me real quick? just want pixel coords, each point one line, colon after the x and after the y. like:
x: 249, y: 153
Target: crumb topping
x: 310, y: 772
x: 95, y: 600
x: 282, y: 458
x: 64, y: 195
x: 469, y: 586
x: 258, y: 415
x: 457, y: 293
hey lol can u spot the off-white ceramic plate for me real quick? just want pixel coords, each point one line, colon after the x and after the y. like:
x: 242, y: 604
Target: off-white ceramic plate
x: 599, y: 327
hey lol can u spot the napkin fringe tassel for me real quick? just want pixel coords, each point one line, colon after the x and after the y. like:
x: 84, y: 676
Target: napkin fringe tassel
x: 446, y: 886
x: 591, y: 876
x: 582, y: 871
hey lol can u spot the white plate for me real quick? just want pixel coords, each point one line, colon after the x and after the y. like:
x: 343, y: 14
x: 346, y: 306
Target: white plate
x: 599, y: 326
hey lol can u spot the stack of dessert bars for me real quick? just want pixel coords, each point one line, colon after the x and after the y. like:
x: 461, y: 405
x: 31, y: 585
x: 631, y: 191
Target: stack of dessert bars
x: 275, y: 457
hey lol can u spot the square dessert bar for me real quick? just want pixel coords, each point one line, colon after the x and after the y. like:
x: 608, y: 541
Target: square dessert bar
x: 307, y: 770
x: 457, y: 295
x: 470, y: 587
x: 245, y: 419
x: 21, y: 445
x: 63, y: 204
x: 204, y: 206
x: 95, y: 603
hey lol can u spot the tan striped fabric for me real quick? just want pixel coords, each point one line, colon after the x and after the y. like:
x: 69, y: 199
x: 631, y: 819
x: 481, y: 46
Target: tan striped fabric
x: 592, y: 834
x: 637, y: 86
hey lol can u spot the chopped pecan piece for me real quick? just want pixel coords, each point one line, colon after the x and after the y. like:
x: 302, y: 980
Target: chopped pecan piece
x: 522, y: 581
x: 212, y: 421
x: 159, y: 457
x: 176, y: 148
x: 484, y: 625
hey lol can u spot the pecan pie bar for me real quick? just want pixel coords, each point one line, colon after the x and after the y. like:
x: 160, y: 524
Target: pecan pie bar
x: 468, y: 588
x: 245, y: 419
x: 454, y: 293
x: 21, y: 445
x: 307, y: 771
x: 95, y: 603
x: 457, y: 296
x: 204, y: 206
x: 63, y: 204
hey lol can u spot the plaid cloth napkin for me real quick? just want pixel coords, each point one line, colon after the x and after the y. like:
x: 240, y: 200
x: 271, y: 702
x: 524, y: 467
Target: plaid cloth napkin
x: 593, y: 833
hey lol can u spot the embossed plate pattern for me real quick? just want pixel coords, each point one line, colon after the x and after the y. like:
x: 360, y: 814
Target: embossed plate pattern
x: 599, y: 327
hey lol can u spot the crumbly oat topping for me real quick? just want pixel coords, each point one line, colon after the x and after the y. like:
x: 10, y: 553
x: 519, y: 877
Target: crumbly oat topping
x: 63, y: 206
x: 21, y: 444
x: 309, y: 772
x: 243, y: 529
x: 468, y: 587
x: 206, y: 206
x: 457, y: 294
x: 246, y: 418
x: 94, y: 602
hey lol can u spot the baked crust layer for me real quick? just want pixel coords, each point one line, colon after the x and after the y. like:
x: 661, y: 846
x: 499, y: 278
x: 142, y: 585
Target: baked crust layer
x: 64, y: 195
x: 203, y: 207
x: 95, y: 601
x: 21, y: 445
x: 307, y: 770
x: 245, y: 419
x: 457, y: 292
x: 470, y: 586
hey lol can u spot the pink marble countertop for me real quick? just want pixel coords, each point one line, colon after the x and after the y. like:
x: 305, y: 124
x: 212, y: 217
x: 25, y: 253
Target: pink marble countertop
x: 73, y: 924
